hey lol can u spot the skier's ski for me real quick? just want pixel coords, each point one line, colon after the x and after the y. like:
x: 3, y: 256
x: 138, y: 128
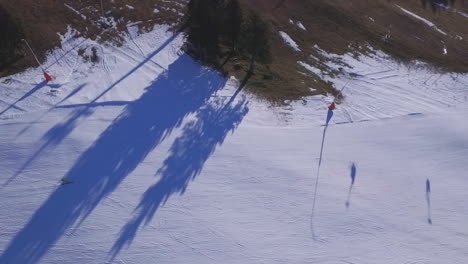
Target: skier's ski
x: 65, y: 181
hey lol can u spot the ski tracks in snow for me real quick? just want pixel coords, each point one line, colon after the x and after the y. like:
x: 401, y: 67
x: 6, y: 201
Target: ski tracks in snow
x: 151, y: 67
x: 391, y: 95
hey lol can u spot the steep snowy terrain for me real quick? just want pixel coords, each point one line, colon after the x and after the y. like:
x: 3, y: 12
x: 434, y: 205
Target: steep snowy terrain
x: 170, y: 163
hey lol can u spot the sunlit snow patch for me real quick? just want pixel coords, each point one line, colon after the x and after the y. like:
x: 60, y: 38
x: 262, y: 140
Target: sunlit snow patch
x: 425, y: 21
x: 300, y: 25
x: 289, y: 41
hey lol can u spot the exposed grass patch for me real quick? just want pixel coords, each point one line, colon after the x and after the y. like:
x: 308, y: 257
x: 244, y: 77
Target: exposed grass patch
x: 335, y: 26
x: 352, y: 27
x: 40, y: 22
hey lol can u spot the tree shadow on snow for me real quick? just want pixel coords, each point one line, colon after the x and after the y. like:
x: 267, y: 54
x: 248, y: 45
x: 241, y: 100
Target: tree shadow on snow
x: 70, y: 95
x: 60, y: 131
x: 188, y: 155
x: 144, y: 123
x: 29, y: 93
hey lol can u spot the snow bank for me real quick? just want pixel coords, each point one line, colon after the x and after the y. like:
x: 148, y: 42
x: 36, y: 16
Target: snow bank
x: 75, y: 11
x: 461, y: 13
x: 427, y: 22
x: 289, y: 41
x: 300, y: 25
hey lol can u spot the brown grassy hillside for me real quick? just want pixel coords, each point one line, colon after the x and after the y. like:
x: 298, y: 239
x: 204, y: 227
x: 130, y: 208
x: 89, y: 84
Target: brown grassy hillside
x: 339, y: 27
x: 336, y: 26
x: 39, y: 21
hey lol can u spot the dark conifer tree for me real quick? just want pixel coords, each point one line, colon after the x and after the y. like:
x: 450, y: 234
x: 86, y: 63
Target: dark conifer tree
x: 254, y: 41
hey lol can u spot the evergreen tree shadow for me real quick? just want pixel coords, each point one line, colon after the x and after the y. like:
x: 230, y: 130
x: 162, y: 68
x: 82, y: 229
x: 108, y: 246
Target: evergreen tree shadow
x: 61, y: 130
x: 188, y: 155
x: 29, y: 93
x: 140, y: 128
x: 51, y: 138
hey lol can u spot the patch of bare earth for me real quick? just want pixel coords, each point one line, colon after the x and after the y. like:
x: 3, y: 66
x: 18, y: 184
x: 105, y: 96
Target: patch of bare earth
x: 335, y: 26
x: 341, y: 27
x: 41, y: 22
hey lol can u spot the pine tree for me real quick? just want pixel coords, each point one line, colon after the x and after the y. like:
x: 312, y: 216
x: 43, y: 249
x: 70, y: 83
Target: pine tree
x: 254, y: 41
x: 213, y: 25
x: 203, y: 29
x: 234, y: 20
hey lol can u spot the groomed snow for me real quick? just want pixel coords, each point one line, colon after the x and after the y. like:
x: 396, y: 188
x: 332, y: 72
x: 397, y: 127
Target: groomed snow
x: 377, y: 87
x: 170, y: 163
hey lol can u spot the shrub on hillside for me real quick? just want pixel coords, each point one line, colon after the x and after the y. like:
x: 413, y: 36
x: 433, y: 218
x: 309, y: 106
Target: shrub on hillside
x: 254, y: 42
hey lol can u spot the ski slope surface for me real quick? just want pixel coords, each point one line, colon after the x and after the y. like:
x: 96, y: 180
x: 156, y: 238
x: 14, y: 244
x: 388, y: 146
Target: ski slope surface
x: 169, y: 162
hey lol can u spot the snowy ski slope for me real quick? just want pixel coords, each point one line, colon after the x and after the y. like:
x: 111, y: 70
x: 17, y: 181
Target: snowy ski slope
x: 169, y: 163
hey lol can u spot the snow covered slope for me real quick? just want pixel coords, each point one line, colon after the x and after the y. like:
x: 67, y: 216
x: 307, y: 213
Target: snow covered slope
x: 171, y: 163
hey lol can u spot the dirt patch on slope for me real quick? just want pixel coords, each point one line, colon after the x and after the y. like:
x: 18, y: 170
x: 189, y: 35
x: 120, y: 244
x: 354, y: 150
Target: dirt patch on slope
x: 41, y: 22
x: 336, y: 26
x: 341, y: 27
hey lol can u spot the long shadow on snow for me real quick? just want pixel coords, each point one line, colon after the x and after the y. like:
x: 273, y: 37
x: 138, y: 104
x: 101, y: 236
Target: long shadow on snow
x: 143, y: 124
x: 70, y: 95
x: 51, y: 138
x: 29, y: 93
x: 60, y: 131
x: 188, y: 155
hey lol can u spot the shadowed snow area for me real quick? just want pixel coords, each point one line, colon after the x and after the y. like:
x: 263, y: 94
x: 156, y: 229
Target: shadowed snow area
x: 170, y: 162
